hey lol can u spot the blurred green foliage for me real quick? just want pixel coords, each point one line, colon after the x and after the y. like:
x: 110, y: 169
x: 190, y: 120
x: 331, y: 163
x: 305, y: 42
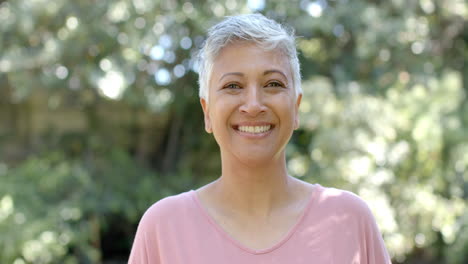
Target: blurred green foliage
x: 100, y: 118
x: 53, y: 208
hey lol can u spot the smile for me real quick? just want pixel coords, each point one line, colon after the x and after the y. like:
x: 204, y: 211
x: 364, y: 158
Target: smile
x: 254, y: 129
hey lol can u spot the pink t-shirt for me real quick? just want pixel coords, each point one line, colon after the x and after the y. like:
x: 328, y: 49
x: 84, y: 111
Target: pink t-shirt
x: 336, y: 227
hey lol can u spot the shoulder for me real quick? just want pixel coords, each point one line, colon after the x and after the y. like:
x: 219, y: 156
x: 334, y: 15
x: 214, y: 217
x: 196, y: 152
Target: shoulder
x: 351, y: 220
x: 341, y: 201
x: 167, y: 209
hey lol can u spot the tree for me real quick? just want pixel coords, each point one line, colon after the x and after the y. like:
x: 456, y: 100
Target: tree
x: 384, y: 114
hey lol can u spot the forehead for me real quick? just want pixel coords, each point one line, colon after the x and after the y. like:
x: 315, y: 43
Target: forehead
x: 249, y: 58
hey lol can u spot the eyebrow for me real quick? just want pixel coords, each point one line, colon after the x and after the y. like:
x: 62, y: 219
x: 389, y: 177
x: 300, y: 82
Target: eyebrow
x: 231, y: 73
x: 264, y: 73
x: 273, y: 71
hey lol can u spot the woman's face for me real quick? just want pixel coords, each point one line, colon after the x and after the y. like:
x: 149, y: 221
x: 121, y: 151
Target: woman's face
x: 252, y: 107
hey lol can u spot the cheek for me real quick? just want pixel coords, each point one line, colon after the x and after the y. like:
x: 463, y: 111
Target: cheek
x: 219, y: 115
x: 285, y: 106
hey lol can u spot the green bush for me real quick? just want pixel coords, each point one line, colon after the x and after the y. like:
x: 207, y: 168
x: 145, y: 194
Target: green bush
x: 54, y: 209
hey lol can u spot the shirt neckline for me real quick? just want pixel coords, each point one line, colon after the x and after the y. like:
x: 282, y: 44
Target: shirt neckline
x: 238, y: 244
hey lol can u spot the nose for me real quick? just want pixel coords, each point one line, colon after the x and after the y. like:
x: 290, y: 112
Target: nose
x: 252, y: 104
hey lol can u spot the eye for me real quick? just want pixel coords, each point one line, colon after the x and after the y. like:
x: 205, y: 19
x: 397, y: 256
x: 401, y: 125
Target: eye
x: 232, y: 86
x: 275, y: 84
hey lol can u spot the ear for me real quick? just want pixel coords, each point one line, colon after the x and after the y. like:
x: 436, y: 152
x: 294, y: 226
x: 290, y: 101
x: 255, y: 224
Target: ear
x: 296, y: 118
x: 204, y: 105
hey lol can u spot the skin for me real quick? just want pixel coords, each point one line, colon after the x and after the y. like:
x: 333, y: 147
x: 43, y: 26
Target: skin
x: 254, y: 200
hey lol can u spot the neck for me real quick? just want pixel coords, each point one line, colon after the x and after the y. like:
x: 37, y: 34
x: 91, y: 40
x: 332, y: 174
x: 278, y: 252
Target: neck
x: 255, y: 190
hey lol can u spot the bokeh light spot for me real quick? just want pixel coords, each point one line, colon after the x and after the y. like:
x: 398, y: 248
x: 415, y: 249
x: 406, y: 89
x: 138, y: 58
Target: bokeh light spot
x: 122, y: 38
x: 140, y: 22
x: 158, y: 28
x: 105, y: 64
x: 61, y: 72
x: 118, y: 12
x: 187, y: 8
x: 162, y: 77
x: 165, y: 41
x: 420, y: 239
x: 231, y: 4
x: 158, y: 100
x: 156, y: 52
x: 63, y: 33
x: 427, y: 6
x: 186, y: 43
x: 179, y: 70
x: 19, y: 261
x: 6, y: 206
x: 169, y: 57
x: 256, y: 5
x: 5, y: 65
x: 112, y: 85
x: 314, y: 9
x: 72, y: 23
x: 417, y: 47
x: 218, y: 10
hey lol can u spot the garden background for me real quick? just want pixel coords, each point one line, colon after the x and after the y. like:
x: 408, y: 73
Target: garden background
x: 100, y: 118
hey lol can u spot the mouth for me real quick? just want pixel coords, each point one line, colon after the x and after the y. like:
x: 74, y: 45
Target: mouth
x: 254, y: 129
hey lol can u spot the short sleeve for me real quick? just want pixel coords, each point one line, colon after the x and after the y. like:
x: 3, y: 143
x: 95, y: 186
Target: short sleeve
x: 371, y: 245
x: 374, y: 244
x: 145, y: 245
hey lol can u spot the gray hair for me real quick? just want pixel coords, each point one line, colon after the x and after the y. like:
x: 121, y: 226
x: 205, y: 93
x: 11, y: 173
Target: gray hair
x: 264, y: 32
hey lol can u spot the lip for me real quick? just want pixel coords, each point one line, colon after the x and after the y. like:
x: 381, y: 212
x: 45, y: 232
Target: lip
x: 252, y: 135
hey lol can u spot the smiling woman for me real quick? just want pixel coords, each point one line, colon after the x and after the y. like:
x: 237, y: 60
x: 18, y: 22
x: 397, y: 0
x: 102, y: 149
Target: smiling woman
x: 245, y: 97
x: 255, y: 212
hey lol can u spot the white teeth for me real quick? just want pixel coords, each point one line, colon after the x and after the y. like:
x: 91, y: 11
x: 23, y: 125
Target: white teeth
x: 254, y: 129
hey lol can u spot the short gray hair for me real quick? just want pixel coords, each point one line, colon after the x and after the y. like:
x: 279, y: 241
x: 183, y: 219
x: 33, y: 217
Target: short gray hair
x: 264, y: 32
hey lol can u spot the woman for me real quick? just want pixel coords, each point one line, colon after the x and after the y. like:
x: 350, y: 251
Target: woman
x: 255, y: 212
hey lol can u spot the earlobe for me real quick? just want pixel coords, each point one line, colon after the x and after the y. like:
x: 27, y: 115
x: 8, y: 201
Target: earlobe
x: 296, y: 122
x: 296, y: 118
x: 208, y: 126
x: 204, y: 105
